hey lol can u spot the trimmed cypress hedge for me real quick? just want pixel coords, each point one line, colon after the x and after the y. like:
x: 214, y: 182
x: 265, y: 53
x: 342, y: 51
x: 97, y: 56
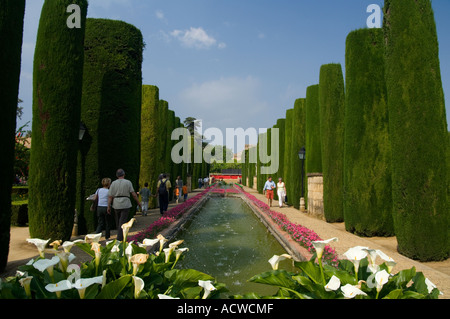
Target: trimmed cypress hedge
x: 418, y: 130
x: 149, y: 139
x: 367, y: 162
x: 168, y: 166
x: 11, y: 32
x: 57, y: 85
x: 313, y: 163
x: 297, y: 142
x: 281, y: 125
x: 287, y: 154
x: 332, y: 112
x: 111, y: 110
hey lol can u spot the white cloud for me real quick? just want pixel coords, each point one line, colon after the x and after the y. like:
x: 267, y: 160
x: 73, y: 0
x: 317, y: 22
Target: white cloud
x: 230, y: 102
x: 160, y: 15
x: 196, y: 38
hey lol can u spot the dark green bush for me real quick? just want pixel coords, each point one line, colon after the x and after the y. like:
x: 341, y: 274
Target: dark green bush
x: 298, y: 141
x: 149, y: 139
x: 332, y: 112
x: 111, y: 110
x: 313, y: 163
x: 287, y: 154
x: 367, y: 164
x: 418, y: 130
x: 57, y: 85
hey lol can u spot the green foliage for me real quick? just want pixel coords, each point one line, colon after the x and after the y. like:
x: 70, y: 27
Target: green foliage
x: 281, y: 125
x: 11, y: 32
x: 332, y: 113
x: 57, y: 87
x: 111, y: 110
x: 418, y: 130
x: 298, y: 141
x: 287, y: 154
x: 311, y: 281
x: 313, y: 162
x: 367, y: 163
x: 113, y: 267
x: 149, y: 139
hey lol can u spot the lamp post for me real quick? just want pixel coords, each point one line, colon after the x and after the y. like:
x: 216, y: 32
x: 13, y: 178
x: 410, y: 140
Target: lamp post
x: 82, y: 131
x: 302, y: 157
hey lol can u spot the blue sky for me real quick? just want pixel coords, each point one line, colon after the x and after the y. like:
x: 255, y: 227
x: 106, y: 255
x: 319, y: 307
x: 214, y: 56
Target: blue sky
x: 234, y: 63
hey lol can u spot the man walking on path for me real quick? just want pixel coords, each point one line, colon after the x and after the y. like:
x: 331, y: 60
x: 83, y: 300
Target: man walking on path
x: 119, y: 197
x: 269, y: 186
x: 163, y: 192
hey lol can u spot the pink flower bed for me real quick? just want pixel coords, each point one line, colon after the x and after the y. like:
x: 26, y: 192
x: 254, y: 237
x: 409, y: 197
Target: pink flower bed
x: 167, y: 219
x: 300, y: 234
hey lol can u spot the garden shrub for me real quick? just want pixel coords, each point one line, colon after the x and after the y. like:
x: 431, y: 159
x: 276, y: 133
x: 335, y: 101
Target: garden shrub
x: 313, y: 163
x: 281, y: 125
x: 287, y: 154
x: 332, y: 112
x: 418, y: 130
x: 298, y: 141
x: 11, y: 32
x: 57, y: 87
x: 367, y: 162
x: 111, y: 110
x: 149, y: 139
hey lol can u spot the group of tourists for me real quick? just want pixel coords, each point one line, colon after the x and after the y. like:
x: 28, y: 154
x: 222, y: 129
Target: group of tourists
x: 269, y: 189
x: 116, y: 195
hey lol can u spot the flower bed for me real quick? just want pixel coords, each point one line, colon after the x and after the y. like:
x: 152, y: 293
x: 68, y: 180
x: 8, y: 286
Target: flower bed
x: 300, y: 234
x: 168, y: 218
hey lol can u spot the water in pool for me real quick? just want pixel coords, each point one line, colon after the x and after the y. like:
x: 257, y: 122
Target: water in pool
x: 228, y: 242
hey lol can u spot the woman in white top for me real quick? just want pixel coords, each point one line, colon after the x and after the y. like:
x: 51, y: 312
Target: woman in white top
x: 102, y: 208
x: 281, y: 191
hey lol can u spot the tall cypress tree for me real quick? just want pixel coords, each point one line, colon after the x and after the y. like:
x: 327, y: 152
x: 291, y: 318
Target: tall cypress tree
x: 367, y: 162
x: 281, y: 125
x: 57, y: 85
x: 111, y: 110
x: 287, y: 154
x: 149, y: 143
x: 298, y: 141
x: 332, y: 104
x: 418, y: 130
x: 313, y: 162
x: 11, y: 32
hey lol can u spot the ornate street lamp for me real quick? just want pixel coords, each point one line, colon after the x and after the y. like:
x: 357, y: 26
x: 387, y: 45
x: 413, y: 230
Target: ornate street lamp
x: 82, y: 131
x: 302, y: 157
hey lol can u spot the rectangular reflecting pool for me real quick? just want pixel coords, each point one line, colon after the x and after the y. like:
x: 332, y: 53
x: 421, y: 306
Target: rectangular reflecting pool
x: 227, y: 241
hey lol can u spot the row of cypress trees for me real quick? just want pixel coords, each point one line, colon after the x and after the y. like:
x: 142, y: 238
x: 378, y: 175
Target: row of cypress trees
x: 380, y: 140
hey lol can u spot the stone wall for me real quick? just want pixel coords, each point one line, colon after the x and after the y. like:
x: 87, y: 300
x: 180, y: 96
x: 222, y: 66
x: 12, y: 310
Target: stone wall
x: 315, y: 195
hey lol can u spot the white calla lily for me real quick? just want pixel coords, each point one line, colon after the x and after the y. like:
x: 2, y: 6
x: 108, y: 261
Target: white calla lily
x: 275, y: 260
x: 319, y: 245
x: 381, y: 278
x: 333, y: 284
x: 138, y: 286
x: 148, y: 243
x: 390, y: 263
x: 126, y: 228
x: 92, y: 238
x: 161, y: 296
x: 431, y: 286
x: 26, y: 284
x: 207, y: 286
x: 355, y: 254
x: 59, y: 287
x: 40, y: 245
x: 162, y: 241
x: 82, y: 284
x: 46, y: 264
x: 350, y: 291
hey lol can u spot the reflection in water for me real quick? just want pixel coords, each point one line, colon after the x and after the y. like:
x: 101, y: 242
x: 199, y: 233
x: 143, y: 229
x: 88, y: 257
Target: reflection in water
x: 228, y: 242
